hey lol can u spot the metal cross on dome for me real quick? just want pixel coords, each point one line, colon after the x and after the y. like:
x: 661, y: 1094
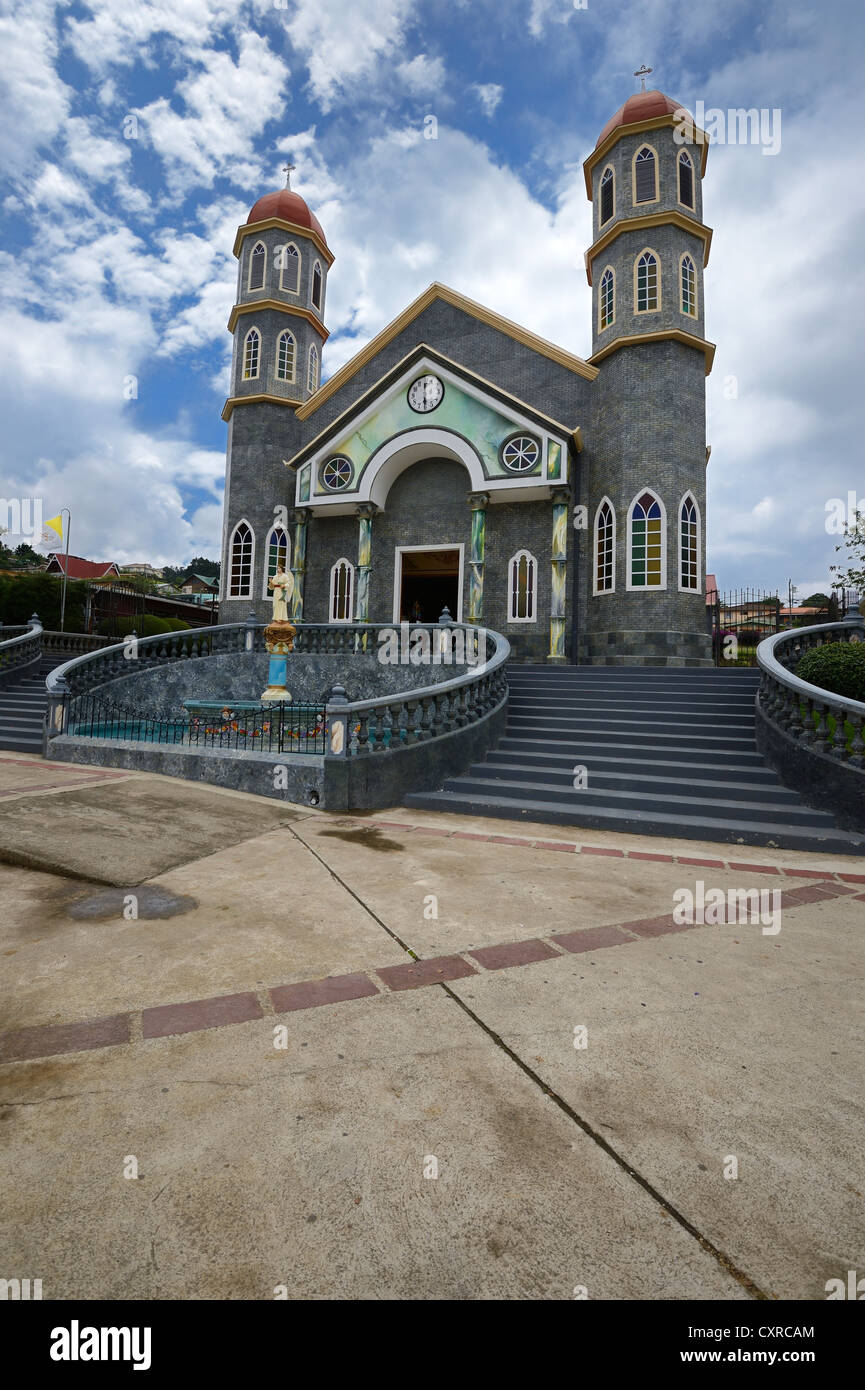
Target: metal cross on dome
x: 287, y: 169
x: 643, y: 73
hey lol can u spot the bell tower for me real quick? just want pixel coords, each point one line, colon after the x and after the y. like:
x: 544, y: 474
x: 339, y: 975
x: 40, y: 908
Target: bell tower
x: 646, y: 475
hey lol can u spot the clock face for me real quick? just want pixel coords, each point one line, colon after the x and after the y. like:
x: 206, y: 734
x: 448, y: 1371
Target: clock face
x: 425, y: 393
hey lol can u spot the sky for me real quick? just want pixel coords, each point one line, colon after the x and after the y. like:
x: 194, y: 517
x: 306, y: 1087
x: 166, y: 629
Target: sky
x: 134, y: 137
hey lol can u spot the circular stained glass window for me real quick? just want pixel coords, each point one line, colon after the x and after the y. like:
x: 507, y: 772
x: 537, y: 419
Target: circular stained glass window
x: 336, y: 473
x: 520, y: 453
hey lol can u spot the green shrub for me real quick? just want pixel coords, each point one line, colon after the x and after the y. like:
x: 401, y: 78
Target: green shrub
x: 23, y: 594
x: 836, y: 666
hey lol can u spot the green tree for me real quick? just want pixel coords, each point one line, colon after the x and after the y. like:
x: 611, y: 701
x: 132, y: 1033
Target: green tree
x: 851, y: 574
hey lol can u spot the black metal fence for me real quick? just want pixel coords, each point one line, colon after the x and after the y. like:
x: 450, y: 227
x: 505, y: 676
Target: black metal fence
x: 741, y: 618
x: 279, y: 727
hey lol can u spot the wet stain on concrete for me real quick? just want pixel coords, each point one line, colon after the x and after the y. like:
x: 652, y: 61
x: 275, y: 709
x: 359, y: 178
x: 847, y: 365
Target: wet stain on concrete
x: 145, y: 903
x: 370, y: 839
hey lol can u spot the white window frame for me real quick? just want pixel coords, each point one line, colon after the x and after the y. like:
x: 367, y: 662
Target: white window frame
x: 512, y: 566
x: 698, y: 588
x: 257, y: 373
x: 647, y: 251
x: 646, y: 588
x: 692, y: 206
x: 602, y: 327
x: 248, y: 592
x: 608, y: 169
x: 284, y: 258
x: 596, y: 592
x: 312, y: 356
x: 318, y: 306
x: 343, y: 560
x: 401, y: 550
x: 250, y: 289
x: 289, y: 380
x: 265, y: 591
x: 686, y: 256
x: 646, y: 202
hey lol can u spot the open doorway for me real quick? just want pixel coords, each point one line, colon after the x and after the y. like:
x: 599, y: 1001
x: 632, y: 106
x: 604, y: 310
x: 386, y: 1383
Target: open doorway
x: 426, y: 581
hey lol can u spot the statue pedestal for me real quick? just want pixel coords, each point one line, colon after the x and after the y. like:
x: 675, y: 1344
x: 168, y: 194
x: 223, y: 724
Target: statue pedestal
x: 279, y: 641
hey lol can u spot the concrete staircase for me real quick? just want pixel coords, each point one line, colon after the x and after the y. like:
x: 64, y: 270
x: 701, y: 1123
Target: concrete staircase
x: 667, y: 751
x: 22, y: 709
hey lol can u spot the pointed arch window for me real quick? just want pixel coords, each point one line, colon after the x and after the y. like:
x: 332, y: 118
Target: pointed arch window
x: 289, y: 268
x: 645, y: 175
x: 251, y: 354
x: 312, y: 370
x: 341, y: 591
x: 689, y: 545
x: 522, y: 588
x: 607, y: 299
x: 277, y: 552
x: 686, y: 180
x: 607, y: 195
x: 257, y: 266
x: 240, y: 561
x: 605, y: 548
x: 688, y: 274
x: 285, y: 356
x: 316, y: 285
x: 647, y: 561
x: 647, y: 282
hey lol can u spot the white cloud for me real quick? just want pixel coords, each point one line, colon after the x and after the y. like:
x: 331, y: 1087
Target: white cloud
x: 422, y: 75
x: 489, y: 94
x: 345, y: 41
x: 35, y: 102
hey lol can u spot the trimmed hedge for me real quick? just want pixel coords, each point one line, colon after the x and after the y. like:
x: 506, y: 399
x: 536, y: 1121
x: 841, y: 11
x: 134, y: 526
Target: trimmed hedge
x: 836, y: 666
x: 144, y: 625
x: 23, y: 594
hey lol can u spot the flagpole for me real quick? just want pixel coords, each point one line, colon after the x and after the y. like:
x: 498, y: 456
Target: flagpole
x: 65, y: 567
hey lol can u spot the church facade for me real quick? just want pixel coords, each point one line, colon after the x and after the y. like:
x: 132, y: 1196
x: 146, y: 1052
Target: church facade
x: 460, y: 461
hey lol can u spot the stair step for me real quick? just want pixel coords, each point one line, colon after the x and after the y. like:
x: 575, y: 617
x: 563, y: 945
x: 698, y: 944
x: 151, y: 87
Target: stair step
x: 679, y: 826
x: 670, y: 803
x: 615, y: 758
x: 594, y: 745
x: 625, y: 778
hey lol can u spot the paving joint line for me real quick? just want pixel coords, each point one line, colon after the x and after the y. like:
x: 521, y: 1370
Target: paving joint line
x: 679, y: 1217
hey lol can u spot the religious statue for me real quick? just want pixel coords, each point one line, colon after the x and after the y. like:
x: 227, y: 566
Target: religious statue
x: 282, y: 585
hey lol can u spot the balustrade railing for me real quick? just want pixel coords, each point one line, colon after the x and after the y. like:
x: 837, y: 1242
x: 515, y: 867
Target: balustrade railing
x: 20, y: 646
x: 816, y: 718
x: 353, y: 728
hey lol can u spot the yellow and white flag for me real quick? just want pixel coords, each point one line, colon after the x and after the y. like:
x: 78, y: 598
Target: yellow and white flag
x: 52, y: 531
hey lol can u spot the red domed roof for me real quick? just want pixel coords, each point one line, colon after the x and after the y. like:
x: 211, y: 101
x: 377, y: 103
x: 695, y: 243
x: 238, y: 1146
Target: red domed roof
x: 288, y: 206
x: 642, y: 106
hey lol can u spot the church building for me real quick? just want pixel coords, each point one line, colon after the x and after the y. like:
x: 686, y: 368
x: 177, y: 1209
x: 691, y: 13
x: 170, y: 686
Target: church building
x: 461, y: 461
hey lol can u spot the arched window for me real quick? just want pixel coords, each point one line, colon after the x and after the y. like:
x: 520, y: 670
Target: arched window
x: 316, y: 286
x: 645, y: 175
x: 257, y: 263
x: 276, y: 551
x: 686, y: 180
x: 522, y: 588
x: 341, y: 591
x: 285, y: 355
x: 251, y: 354
x: 689, y: 286
x: 608, y: 197
x: 607, y: 298
x: 689, y: 544
x: 647, y: 560
x: 289, y: 268
x: 647, y: 283
x: 312, y: 370
x: 240, y: 563
x: 605, y: 548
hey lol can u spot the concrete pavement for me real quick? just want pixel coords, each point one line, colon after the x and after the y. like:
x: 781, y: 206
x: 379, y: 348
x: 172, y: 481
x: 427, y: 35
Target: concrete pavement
x: 310, y: 1015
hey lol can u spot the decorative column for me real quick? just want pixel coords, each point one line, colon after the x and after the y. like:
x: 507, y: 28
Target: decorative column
x: 478, y: 501
x: 365, y: 513
x: 559, y: 569
x: 298, y: 562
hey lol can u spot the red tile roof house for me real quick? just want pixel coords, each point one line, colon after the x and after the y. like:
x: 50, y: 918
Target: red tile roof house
x: 76, y: 568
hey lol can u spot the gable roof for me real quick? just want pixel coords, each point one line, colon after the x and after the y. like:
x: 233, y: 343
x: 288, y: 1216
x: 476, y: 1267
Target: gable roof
x: 78, y: 568
x: 468, y: 306
x: 358, y: 408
